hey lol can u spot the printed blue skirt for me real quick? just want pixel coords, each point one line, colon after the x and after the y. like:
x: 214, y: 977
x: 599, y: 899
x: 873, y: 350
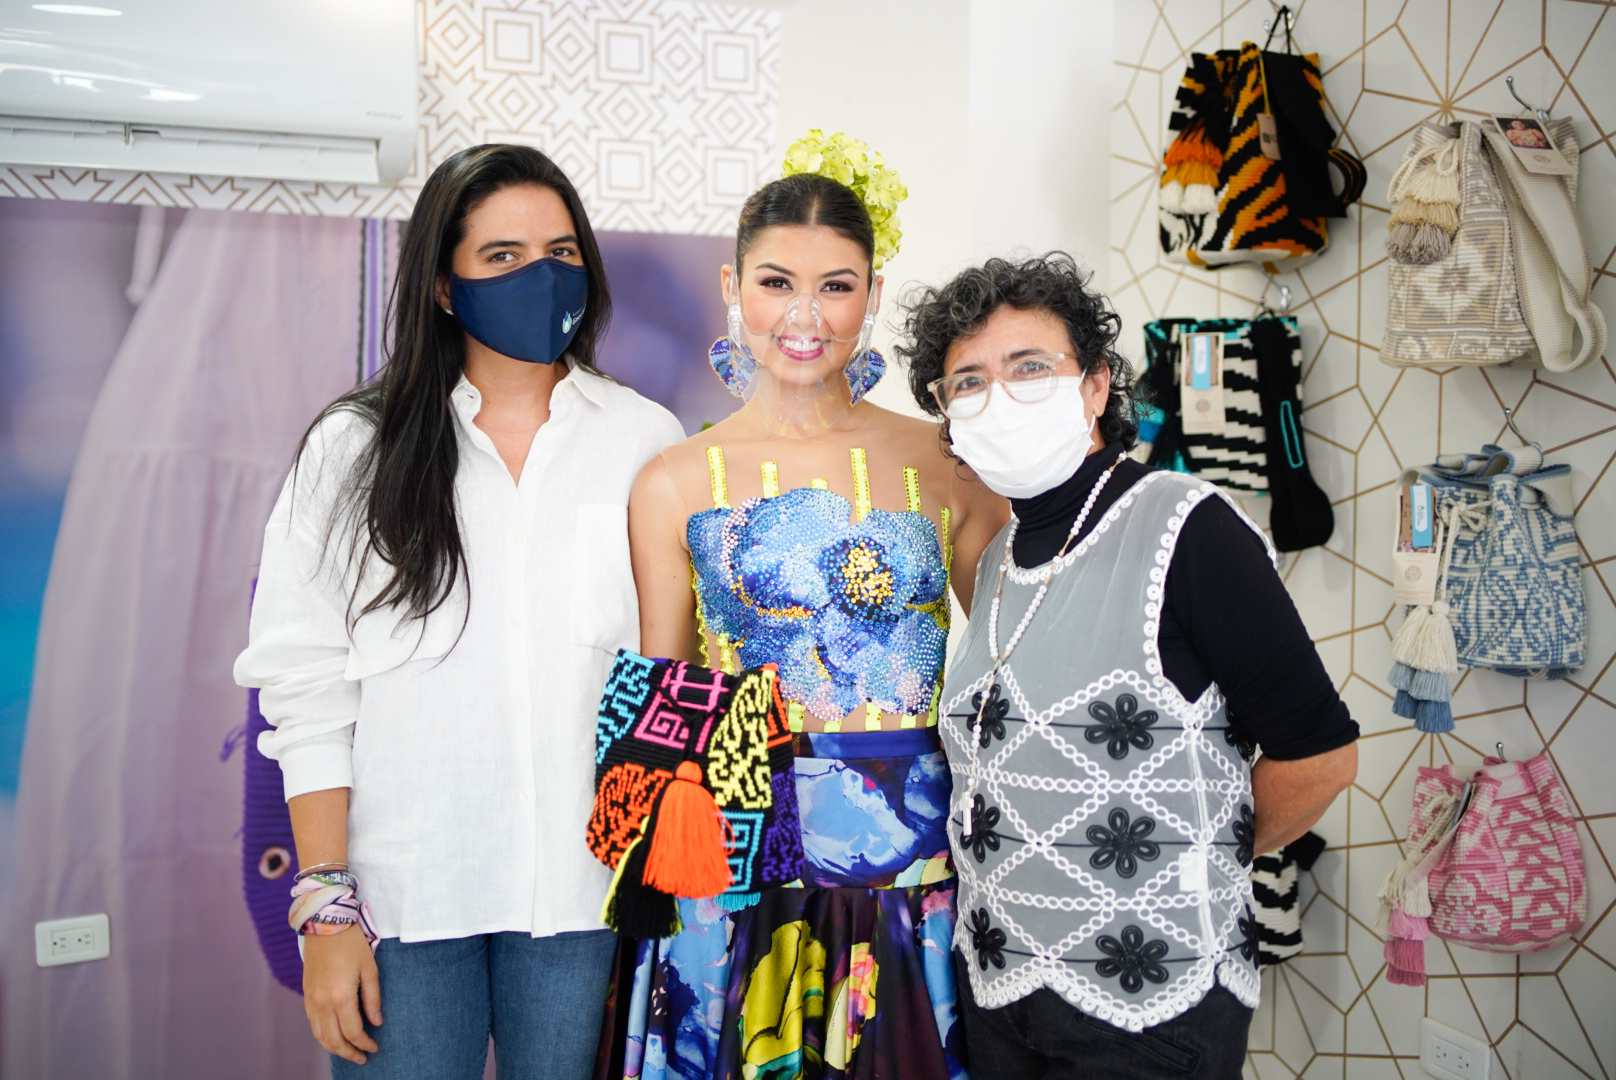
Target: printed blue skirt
x: 846, y: 974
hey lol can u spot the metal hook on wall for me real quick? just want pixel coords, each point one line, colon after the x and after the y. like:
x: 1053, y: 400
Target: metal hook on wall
x: 1541, y: 114
x: 1280, y: 10
x: 1265, y: 308
x: 1509, y: 419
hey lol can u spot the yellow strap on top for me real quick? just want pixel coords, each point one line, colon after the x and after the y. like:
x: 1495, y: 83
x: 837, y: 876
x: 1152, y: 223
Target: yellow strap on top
x: 861, y: 484
x: 795, y: 715
x: 715, y: 472
x: 819, y: 482
x: 944, y: 519
x: 771, y: 479
x: 872, y: 716
x: 911, y: 488
x: 701, y: 617
x: 833, y: 726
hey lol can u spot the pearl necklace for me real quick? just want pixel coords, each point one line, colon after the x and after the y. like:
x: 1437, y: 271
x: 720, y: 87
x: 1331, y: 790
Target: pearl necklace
x: 999, y: 659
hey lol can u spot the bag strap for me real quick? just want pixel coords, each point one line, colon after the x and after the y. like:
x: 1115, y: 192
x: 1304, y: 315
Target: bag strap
x: 1543, y: 217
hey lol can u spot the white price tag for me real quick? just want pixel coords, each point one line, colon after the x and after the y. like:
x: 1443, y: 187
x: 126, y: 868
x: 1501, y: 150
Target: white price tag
x: 1415, y: 562
x: 1201, y: 385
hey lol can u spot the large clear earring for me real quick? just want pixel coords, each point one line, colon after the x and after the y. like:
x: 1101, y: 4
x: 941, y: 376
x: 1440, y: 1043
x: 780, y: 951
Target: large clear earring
x: 734, y: 364
x: 863, y: 372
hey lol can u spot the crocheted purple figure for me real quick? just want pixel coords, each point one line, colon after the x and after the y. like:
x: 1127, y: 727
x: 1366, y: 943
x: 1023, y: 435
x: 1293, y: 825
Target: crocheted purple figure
x: 268, y: 856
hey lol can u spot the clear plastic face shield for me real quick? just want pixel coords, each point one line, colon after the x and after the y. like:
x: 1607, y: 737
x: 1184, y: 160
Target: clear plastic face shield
x: 798, y: 344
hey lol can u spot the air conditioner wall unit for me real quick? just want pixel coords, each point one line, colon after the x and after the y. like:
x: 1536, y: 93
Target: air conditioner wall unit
x: 283, y: 90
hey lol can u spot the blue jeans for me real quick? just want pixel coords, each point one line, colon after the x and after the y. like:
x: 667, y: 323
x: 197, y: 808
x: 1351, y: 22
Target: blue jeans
x: 540, y: 998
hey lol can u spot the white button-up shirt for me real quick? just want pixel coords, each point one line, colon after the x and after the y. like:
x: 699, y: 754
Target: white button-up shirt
x: 471, y: 761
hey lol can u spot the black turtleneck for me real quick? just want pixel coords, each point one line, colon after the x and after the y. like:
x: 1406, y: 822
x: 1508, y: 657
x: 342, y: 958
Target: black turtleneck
x: 1226, y: 619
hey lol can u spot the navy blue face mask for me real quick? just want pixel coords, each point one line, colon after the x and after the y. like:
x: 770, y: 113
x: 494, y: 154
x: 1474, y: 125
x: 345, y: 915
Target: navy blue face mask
x: 530, y: 314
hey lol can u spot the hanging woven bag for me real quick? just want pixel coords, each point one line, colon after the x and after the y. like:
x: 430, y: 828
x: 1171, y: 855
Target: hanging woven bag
x: 1492, y: 862
x: 1488, y: 264
x: 1223, y: 202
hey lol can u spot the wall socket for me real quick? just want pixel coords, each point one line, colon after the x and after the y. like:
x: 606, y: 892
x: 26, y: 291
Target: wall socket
x: 72, y: 941
x: 1452, y: 1055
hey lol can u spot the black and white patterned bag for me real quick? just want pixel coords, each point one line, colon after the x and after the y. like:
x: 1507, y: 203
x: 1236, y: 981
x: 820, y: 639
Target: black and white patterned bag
x: 1260, y: 450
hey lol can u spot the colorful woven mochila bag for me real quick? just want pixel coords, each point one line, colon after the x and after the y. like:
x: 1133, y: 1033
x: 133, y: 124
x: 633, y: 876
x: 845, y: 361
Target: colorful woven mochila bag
x: 1509, y: 593
x: 1223, y: 200
x: 1492, y: 861
x: 695, y: 795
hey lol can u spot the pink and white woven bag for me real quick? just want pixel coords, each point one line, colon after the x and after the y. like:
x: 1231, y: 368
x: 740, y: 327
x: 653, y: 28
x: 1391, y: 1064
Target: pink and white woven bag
x: 1508, y: 877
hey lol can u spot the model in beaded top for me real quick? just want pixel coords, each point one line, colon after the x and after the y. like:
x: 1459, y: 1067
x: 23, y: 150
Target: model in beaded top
x: 813, y: 530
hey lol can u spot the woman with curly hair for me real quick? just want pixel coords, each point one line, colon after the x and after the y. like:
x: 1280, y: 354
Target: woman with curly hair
x: 1131, y: 647
x: 814, y: 531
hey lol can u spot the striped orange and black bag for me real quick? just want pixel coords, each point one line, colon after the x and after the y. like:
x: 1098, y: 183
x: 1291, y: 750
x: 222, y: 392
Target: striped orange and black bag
x: 1228, y: 196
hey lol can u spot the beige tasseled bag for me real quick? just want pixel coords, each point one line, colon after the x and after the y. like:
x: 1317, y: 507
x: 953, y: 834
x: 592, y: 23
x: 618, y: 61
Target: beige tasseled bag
x: 1488, y: 265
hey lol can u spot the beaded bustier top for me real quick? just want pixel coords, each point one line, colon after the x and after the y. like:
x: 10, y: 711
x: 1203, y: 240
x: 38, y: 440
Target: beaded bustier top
x: 850, y: 602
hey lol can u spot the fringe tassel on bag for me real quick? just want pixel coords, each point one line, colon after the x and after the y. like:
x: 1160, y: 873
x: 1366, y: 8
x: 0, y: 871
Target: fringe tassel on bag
x: 1189, y: 182
x: 633, y: 907
x: 1405, y: 897
x: 689, y: 855
x: 1424, y: 193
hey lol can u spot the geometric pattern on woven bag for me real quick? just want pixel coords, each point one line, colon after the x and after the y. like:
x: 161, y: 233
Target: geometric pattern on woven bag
x: 1513, y: 879
x: 1515, y: 584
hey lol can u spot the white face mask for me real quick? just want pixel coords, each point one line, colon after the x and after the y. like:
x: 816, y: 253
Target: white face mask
x: 1024, y: 450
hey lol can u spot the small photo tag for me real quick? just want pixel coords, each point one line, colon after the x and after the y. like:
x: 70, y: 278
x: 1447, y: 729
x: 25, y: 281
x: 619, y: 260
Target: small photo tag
x: 1414, y: 548
x: 1201, y: 387
x: 1192, y: 871
x: 1268, y: 136
x: 1533, y: 145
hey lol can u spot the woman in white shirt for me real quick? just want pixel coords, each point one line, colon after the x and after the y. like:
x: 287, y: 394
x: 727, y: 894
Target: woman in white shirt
x: 445, y: 580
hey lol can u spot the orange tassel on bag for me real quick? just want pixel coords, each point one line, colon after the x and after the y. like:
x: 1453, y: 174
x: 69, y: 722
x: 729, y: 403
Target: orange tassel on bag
x: 689, y: 847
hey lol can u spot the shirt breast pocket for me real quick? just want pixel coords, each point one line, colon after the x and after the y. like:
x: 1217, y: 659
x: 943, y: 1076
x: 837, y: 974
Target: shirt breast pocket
x: 605, y: 608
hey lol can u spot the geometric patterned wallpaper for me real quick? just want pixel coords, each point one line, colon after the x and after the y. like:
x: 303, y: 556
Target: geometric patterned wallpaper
x: 1388, y: 65
x: 660, y: 111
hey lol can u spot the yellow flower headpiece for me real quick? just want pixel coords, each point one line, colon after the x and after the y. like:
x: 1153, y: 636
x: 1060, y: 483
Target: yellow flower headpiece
x: 850, y: 161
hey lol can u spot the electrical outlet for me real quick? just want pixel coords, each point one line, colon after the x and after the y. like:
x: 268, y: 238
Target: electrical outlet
x: 72, y: 941
x: 1452, y: 1055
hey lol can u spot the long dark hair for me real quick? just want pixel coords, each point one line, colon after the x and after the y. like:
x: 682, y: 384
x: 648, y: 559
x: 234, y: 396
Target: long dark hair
x: 804, y: 199
x: 398, y: 503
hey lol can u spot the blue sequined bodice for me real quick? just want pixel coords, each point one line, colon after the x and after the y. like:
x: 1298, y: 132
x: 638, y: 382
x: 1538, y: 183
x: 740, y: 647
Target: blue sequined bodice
x: 850, y: 602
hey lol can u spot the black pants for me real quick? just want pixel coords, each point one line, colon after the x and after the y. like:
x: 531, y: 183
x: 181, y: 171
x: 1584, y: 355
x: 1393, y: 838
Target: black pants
x: 1042, y: 1037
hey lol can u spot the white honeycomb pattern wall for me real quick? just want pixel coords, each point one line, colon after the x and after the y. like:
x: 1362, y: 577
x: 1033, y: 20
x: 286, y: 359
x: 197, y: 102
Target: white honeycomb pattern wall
x: 661, y: 111
x: 1390, y: 64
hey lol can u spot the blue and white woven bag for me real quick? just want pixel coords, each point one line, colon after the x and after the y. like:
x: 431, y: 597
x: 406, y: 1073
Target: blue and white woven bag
x: 1509, y: 592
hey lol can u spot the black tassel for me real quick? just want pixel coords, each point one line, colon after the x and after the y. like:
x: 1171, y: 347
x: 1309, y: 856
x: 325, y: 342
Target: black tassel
x: 634, y: 908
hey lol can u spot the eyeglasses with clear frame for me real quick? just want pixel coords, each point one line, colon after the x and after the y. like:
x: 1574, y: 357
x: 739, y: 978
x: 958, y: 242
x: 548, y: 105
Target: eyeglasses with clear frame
x: 1027, y: 377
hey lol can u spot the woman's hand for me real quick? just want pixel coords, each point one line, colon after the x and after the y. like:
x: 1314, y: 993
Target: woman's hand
x: 339, y: 975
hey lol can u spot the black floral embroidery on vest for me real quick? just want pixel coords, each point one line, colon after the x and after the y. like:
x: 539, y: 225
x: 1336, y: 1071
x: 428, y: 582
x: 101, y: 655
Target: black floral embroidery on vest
x: 982, y: 838
x: 1121, y: 727
x: 987, y: 940
x: 1245, y: 835
x: 1247, y: 924
x: 1124, y: 843
x: 993, y: 714
x: 1231, y: 735
x: 1132, y: 960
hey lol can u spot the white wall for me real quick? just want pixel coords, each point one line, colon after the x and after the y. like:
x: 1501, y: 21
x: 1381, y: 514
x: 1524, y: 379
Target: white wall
x: 973, y: 102
x: 1040, y: 150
